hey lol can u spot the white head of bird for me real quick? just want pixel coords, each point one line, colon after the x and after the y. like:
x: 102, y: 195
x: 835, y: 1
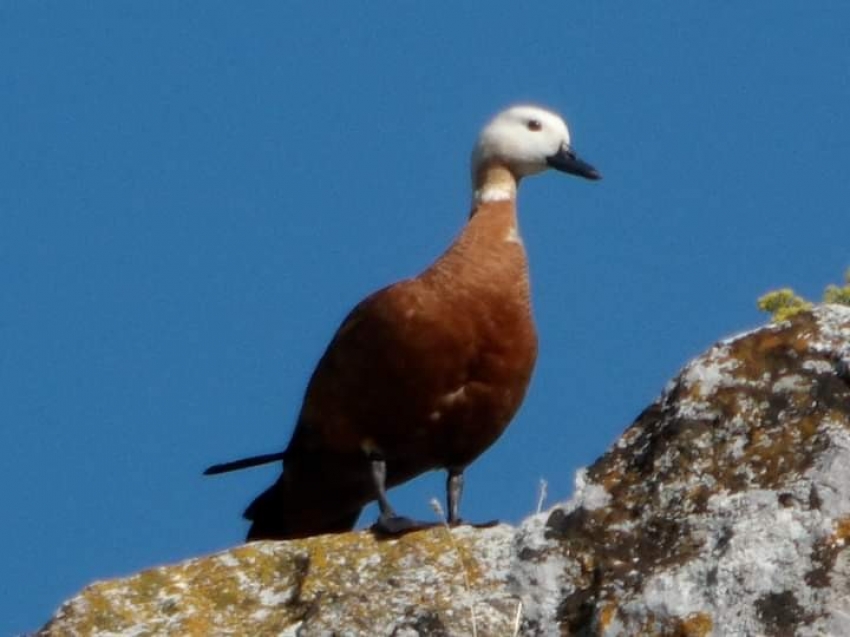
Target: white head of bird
x: 526, y: 140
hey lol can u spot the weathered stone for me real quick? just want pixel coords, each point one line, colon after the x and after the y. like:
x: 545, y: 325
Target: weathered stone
x: 723, y: 510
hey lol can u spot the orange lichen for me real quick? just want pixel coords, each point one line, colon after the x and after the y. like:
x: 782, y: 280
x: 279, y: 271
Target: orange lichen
x: 696, y: 625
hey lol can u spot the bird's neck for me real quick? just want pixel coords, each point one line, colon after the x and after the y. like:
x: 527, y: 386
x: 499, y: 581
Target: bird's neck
x: 492, y: 229
x: 493, y: 217
x: 492, y: 183
x: 488, y: 253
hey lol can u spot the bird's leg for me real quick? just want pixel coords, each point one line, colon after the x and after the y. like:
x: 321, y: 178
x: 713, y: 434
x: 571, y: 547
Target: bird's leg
x: 454, y: 490
x: 379, y: 477
x: 389, y: 523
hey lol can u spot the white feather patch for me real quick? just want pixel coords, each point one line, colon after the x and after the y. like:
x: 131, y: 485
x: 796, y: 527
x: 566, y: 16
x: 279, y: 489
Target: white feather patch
x: 492, y: 192
x: 512, y: 236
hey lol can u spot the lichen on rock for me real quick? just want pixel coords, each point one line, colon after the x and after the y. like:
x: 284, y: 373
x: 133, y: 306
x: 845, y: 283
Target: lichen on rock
x: 724, y: 509
x: 717, y: 506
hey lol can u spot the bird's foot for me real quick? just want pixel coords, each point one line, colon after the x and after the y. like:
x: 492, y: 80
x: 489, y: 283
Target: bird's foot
x: 391, y: 525
x: 475, y: 525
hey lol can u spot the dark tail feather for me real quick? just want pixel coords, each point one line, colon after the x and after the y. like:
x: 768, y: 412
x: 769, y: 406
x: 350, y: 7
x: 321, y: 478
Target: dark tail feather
x: 285, y: 512
x: 244, y: 463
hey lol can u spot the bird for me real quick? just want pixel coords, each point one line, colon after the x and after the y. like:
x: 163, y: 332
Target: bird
x: 424, y: 374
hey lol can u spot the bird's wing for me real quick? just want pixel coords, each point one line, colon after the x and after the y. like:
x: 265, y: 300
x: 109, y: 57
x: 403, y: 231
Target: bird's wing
x: 392, y: 354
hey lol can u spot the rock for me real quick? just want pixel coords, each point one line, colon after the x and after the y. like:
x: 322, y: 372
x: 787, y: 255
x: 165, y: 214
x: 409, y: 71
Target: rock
x: 723, y: 510
x: 727, y: 503
x: 350, y: 582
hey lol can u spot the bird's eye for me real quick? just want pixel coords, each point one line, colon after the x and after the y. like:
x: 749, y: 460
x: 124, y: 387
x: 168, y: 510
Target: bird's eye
x: 534, y: 125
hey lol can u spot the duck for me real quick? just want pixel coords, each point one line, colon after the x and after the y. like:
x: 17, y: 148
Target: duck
x: 427, y: 373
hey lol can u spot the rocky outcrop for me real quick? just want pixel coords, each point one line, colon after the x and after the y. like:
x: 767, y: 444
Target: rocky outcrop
x: 422, y: 583
x: 723, y: 510
x: 726, y: 505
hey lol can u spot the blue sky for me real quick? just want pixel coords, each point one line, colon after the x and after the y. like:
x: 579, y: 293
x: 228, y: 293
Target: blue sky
x: 195, y: 194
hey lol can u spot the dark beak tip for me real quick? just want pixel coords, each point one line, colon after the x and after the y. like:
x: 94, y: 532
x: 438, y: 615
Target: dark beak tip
x: 566, y: 161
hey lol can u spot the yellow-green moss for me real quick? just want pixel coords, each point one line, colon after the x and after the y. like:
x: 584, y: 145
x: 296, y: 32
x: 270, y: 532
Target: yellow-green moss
x: 783, y: 304
x: 836, y: 294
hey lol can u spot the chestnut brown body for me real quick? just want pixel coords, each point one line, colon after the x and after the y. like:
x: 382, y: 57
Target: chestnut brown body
x: 428, y: 372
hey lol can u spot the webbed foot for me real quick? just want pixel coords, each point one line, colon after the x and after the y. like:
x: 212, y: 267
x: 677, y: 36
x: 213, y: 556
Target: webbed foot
x: 475, y: 525
x: 395, y: 525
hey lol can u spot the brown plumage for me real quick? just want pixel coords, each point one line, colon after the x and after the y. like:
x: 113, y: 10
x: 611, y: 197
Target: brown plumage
x: 426, y: 373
